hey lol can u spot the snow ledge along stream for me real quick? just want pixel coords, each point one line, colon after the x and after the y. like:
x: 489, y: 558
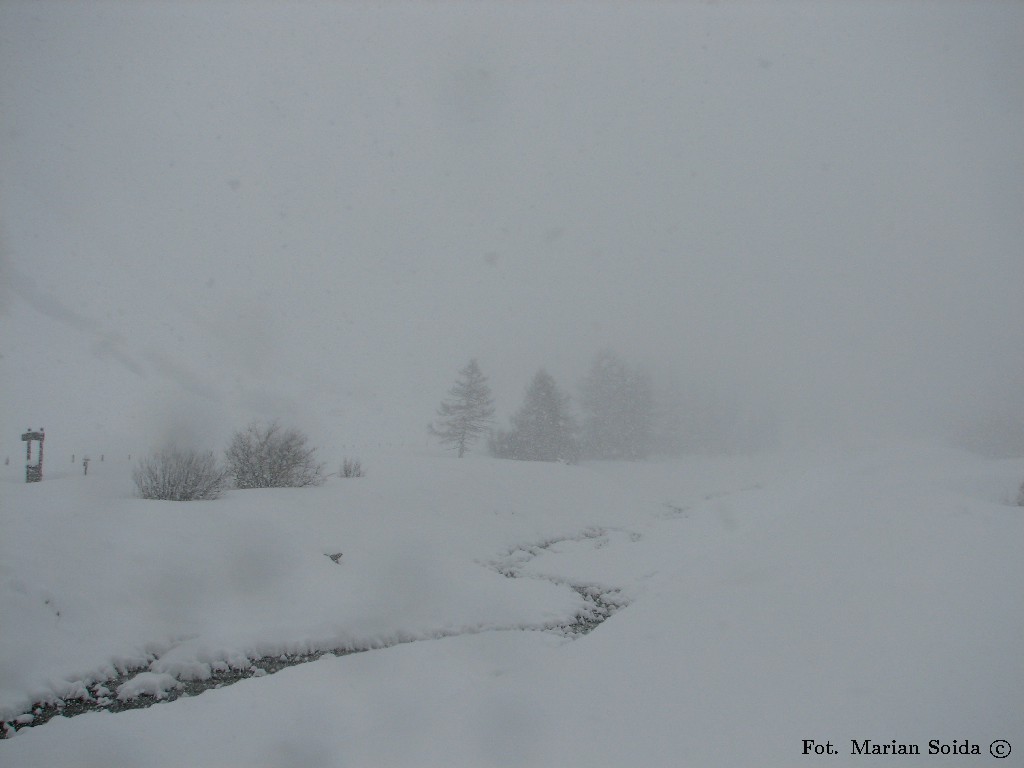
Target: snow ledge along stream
x: 140, y: 687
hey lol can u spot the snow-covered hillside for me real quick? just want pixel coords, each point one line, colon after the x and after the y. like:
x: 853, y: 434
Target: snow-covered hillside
x: 755, y: 603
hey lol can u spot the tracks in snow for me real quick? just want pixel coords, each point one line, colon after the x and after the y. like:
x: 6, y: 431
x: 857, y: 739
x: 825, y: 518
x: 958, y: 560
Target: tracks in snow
x: 138, y: 688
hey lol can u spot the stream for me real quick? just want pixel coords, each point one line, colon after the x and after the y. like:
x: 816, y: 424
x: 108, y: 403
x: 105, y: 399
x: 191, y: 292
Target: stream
x: 102, y: 695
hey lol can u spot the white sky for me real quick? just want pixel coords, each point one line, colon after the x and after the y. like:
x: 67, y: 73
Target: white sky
x: 214, y: 211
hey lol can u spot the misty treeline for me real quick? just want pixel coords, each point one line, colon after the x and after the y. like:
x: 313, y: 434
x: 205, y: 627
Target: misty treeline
x: 616, y: 415
x: 262, y: 455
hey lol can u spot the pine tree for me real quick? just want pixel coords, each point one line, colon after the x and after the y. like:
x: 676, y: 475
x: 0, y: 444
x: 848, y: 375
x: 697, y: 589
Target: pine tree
x: 618, y: 406
x: 543, y: 429
x: 467, y: 412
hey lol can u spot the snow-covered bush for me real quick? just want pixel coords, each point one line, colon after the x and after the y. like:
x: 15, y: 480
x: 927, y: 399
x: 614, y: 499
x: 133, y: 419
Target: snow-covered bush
x: 351, y: 468
x: 268, y: 456
x: 175, y: 474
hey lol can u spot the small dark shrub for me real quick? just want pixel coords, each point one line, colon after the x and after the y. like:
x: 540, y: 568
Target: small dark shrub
x: 351, y: 468
x: 179, y: 475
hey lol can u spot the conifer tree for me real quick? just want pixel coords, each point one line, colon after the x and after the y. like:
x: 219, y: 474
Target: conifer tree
x: 543, y: 429
x: 467, y: 412
x: 618, y: 407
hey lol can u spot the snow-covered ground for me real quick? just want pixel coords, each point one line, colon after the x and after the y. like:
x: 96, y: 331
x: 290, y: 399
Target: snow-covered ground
x: 834, y: 595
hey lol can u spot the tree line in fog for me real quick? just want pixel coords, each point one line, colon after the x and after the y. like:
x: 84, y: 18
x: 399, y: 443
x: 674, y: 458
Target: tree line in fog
x: 616, y: 416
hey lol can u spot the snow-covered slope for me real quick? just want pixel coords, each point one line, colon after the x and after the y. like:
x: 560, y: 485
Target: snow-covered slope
x: 869, y: 594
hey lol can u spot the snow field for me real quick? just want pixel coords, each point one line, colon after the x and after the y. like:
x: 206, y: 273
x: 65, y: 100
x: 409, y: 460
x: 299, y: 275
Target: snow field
x: 868, y: 594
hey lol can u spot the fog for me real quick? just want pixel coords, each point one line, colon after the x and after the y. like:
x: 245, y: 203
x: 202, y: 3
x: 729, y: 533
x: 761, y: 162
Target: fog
x: 802, y: 215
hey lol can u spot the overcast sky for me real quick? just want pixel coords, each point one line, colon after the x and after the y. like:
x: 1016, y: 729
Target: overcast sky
x: 218, y: 211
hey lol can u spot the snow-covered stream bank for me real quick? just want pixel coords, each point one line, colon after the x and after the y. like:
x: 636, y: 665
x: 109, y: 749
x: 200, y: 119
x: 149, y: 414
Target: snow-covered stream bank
x: 140, y: 687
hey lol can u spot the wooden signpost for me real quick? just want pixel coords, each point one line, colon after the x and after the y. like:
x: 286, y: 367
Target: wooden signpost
x: 33, y: 472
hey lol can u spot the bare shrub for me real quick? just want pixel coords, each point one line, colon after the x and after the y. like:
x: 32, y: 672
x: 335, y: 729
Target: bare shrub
x: 269, y: 456
x: 351, y: 468
x: 174, y: 474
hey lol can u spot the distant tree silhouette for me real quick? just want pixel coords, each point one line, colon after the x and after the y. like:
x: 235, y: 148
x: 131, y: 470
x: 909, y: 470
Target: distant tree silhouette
x: 618, y: 410
x: 543, y: 429
x: 467, y: 412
